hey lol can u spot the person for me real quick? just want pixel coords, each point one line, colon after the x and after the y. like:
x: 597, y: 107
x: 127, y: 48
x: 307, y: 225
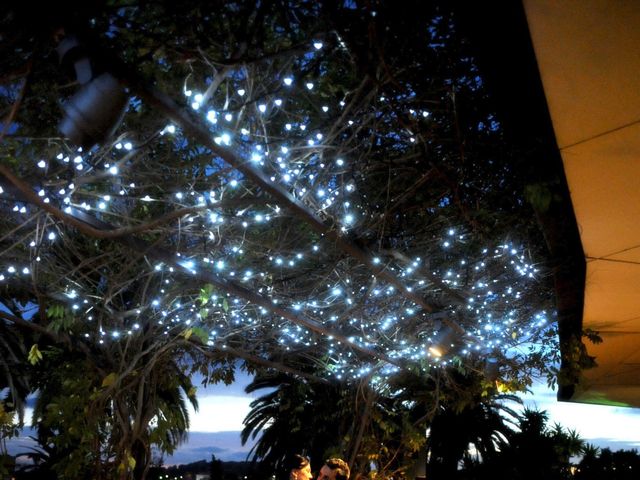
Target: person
x: 334, y: 469
x: 299, y: 468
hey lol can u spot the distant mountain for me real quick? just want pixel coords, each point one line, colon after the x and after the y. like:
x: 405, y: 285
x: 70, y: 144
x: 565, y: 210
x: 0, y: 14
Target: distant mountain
x: 226, y: 446
x: 230, y: 470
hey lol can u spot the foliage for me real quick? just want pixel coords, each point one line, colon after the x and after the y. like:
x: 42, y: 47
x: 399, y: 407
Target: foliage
x: 284, y: 417
x: 533, y: 450
x: 618, y: 465
x: 331, y: 196
x: 483, y: 422
x: 381, y: 429
x: 14, y: 380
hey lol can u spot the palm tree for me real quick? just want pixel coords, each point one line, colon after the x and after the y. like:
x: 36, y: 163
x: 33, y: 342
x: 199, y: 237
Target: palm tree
x: 295, y: 416
x: 482, y: 420
x: 619, y: 465
x: 553, y: 447
x: 588, y: 468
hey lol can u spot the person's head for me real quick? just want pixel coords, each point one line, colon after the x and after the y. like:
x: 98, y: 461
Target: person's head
x: 299, y: 468
x: 334, y: 469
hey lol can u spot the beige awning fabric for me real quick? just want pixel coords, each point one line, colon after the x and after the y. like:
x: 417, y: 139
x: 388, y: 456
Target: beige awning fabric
x: 588, y: 54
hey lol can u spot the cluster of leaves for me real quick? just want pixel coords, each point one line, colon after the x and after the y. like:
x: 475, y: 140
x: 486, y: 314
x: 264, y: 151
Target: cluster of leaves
x: 618, y: 465
x: 532, y: 450
x: 471, y: 432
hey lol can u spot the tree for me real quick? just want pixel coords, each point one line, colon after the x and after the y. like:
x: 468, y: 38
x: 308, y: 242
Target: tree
x: 596, y: 463
x: 553, y: 446
x: 482, y: 421
x: 381, y: 427
x: 296, y: 417
x: 13, y: 358
x: 216, y: 470
x: 325, y: 189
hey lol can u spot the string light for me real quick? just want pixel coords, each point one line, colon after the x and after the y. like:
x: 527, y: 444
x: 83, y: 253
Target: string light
x: 322, y: 183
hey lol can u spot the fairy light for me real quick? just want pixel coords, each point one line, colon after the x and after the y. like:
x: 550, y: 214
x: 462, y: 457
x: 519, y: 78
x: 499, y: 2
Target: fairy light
x: 326, y: 187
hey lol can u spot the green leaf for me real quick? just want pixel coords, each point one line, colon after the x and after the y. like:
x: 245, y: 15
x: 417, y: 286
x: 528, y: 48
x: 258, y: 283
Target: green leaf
x: 205, y: 294
x: 55, y: 311
x: 109, y: 379
x: 201, y: 334
x: 539, y: 196
x: 187, y: 333
x: 34, y: 354
x: 225, y: 305
x: 192, y: 392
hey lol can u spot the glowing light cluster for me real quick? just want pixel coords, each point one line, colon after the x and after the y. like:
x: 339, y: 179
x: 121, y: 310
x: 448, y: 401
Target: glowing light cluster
x: 233, y: 233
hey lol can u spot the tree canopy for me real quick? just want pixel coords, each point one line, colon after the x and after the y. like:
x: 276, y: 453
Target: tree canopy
x: 320, y: 188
